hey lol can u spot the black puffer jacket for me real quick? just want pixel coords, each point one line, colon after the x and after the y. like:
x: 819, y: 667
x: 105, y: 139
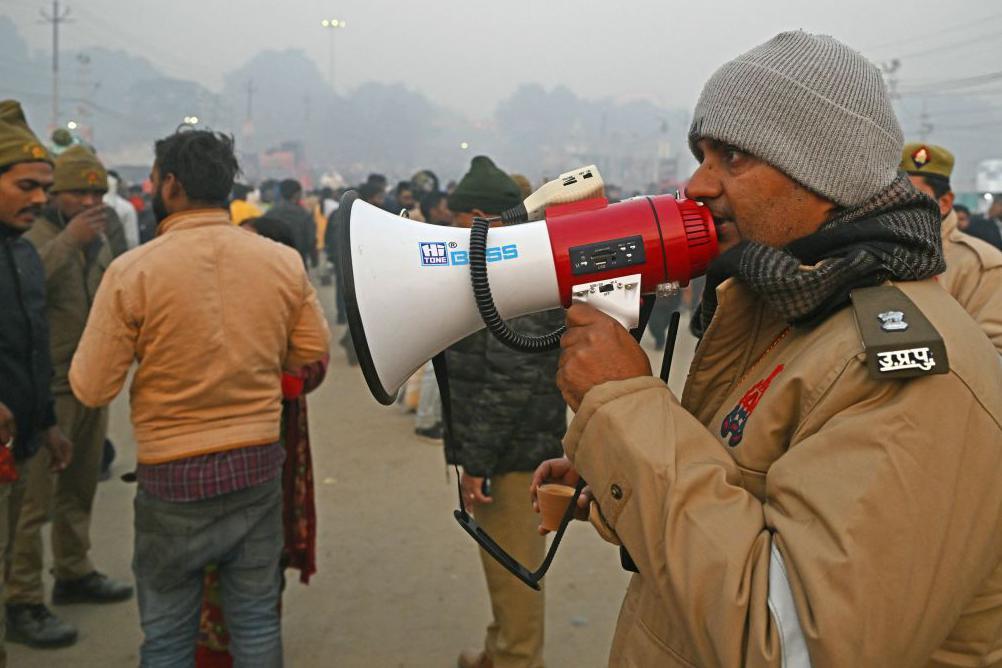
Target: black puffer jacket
x: 25, y: 366
x: 507, y: 412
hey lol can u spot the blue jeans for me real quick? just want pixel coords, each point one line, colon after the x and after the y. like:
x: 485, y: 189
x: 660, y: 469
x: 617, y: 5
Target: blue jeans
x: 242, y: 533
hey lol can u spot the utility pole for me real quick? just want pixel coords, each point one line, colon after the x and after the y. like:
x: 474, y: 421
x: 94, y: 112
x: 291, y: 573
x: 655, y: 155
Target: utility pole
x: 250, y: 100
x: 890, y: 70
x: 57, y: 17
x: 926, y: 127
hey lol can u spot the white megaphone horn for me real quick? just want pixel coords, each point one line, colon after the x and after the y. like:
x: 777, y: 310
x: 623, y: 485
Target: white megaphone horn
x: 407, y: 285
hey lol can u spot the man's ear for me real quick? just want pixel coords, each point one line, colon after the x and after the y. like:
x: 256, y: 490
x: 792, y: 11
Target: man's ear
x: 946, y: 204
x: 174, y: 188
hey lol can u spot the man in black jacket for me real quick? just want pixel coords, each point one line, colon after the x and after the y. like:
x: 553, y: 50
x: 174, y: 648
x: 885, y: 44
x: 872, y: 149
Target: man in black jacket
x: 27, y: 416
x: 300, y: 221
x: 507, y: 418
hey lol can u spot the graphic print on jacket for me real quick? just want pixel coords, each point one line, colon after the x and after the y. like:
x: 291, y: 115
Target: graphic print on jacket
x: 733, y: 424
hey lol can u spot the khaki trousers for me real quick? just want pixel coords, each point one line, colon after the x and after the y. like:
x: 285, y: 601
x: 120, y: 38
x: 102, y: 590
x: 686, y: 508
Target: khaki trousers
x: 66, y: 498
x: 11, y: 494
x: 515, y: 636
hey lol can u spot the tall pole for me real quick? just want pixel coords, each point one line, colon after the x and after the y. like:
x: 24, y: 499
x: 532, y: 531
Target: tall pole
x: 57, y: 17
x: 250, y: 100
x: 331, y: 25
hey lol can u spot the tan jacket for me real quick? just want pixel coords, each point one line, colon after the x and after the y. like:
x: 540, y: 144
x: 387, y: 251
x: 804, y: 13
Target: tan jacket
x: 854, y: 521
x: 212, y: 313
x: 974, y: 277
x: 72, y: 276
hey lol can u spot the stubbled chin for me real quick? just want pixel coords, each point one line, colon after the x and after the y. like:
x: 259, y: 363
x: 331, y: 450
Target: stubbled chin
x: 727, y: 236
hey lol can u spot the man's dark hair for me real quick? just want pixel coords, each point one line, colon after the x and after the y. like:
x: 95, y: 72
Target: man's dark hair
x: 429, y: 202
x: 940, y: 184
x: 960, y: 208
x: 114, y: 174
x: 404, y: 185
x: 368, y: 190
x: 327, y: 192
x: 290, y: 189
x: 378, y: 179
x: 272, y: 228
x: 241, y: 190
x: 202, y: 161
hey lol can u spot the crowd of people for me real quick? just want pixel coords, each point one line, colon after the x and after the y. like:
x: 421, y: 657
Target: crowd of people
x: 854, y: 308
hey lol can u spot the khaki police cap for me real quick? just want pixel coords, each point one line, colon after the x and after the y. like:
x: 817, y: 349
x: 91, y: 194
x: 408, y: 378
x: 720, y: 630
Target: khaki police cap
x: 927, y: 159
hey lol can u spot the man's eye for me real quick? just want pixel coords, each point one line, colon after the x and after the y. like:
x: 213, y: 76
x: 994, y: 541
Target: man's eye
x: 733, y: 155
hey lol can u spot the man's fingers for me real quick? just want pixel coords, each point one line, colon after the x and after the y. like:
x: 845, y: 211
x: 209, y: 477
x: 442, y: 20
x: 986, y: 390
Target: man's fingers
x: 579, y: 315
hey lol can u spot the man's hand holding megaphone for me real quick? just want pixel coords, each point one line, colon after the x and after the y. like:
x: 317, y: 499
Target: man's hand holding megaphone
x: 596, y: 349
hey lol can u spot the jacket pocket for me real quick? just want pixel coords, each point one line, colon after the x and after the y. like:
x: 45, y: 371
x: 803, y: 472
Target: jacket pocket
x: 648, y: 649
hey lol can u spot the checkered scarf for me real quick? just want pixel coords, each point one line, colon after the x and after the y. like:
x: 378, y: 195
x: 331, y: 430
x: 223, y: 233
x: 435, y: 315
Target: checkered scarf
x: 895, y: 235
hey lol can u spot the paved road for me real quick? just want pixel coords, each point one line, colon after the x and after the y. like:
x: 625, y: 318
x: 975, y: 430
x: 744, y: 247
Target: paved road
x: 399, y: 583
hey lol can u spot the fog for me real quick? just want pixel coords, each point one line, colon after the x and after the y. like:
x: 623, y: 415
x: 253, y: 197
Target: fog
x: 465, y: 59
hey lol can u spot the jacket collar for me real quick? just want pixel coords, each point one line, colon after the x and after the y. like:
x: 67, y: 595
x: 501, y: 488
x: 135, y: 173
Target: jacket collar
x: 9, y: 233
x: 741, y: 328
x: 187, y: 220
x: 949, y: 224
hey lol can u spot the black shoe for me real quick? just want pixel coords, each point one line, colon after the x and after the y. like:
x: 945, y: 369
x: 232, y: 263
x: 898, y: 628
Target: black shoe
x: 434, y: 432
x: 93, y: 588
x: 33, y: 624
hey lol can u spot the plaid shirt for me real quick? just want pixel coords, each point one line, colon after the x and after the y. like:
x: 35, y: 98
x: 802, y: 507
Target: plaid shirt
x: 215, y: 474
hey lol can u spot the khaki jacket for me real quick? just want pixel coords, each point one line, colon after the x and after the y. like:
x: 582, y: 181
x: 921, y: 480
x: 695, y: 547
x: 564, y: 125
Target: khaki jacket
x: 72, y: 276
x: 792, y: 511
x: 212, y: 313
x: 974, y: 277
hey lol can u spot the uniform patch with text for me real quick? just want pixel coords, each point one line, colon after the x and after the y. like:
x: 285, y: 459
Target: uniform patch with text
x: 733, y: 425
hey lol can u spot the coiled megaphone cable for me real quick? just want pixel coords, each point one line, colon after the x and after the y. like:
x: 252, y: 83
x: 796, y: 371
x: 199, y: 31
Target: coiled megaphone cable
x: 485, y: 301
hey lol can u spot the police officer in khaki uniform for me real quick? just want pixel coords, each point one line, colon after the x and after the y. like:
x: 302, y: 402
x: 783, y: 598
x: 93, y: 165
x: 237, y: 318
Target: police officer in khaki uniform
x: 973, y: 267
x: 71, y: 239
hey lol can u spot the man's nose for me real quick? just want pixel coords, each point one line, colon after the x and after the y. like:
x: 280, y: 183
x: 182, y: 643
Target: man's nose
x: 91, y: 199
x: 703, y: 185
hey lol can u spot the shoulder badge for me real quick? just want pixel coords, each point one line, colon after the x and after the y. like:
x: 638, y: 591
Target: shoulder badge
x: 900, y: 341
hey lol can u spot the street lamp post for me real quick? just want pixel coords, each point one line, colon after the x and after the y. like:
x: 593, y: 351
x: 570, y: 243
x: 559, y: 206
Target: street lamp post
x: 332, y: 25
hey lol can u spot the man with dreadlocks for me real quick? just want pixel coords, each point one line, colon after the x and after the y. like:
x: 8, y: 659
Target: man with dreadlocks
x: 826, y: 491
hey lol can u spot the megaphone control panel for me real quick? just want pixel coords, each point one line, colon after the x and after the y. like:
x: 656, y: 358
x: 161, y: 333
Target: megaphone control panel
x: 607, y: 255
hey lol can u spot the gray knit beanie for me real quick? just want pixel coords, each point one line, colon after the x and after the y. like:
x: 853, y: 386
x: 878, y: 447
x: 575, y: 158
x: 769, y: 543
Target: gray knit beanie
x: 811, y: 107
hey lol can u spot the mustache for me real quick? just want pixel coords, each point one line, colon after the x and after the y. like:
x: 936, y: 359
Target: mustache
x: 34, y: 209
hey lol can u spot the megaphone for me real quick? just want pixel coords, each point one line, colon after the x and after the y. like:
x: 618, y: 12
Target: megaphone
x: 407, y: 285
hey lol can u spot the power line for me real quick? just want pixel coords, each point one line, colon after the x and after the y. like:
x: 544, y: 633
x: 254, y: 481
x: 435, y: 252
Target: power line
x: 939, y: 31
x: 953, y: 45
x: 954, y: 84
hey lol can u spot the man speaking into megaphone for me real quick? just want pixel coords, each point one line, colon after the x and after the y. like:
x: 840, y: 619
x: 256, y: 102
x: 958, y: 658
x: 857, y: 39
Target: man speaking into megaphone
x: 826, y: 490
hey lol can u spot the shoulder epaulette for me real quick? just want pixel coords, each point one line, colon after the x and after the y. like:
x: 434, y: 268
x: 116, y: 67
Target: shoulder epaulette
x: 900, y: 341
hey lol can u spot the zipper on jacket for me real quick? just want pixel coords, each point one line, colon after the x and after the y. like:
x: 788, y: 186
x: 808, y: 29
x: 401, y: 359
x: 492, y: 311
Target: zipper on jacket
x: 16, y: 273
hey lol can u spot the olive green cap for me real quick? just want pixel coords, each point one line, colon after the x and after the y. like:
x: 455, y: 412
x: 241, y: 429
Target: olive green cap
x: 927, y: 160
x: 79, y: 169
x: 17, y: 142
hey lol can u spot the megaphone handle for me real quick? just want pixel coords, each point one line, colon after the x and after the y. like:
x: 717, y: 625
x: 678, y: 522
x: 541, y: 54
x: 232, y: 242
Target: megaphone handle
x: 618, y: 298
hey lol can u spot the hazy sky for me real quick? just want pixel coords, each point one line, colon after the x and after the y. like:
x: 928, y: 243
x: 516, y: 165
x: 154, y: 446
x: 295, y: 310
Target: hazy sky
x: 468, y: 54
